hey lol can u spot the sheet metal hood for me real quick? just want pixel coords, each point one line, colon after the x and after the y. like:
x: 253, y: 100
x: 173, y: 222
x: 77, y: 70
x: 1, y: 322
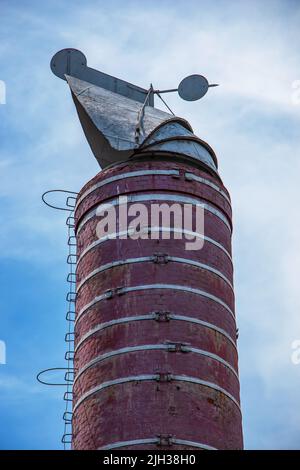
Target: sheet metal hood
x: 119, y: 118
x: 109, y: 121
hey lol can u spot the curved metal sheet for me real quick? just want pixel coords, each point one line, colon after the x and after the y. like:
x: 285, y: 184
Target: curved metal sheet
x: 189, y: 147
x: 110, y: 120
x: 114, y: 116
x: 170, y: 131
x: 117, y: 116
x: 162, y: 132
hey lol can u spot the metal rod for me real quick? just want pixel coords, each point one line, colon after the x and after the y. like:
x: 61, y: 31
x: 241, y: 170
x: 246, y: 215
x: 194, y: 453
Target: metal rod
x: 171, y: 90
x: 167, y: 106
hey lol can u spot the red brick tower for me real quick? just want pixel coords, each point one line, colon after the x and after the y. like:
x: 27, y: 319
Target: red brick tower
x: 155, y: 351
x: 156, y: 363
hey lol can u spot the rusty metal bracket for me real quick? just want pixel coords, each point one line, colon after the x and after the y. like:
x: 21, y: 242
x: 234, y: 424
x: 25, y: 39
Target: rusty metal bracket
x: 162, y: 316
x: 164, y: 440
x: 164, y: 377
x: 160, y: 258
x: 177, y: 347
x: 180, y: 175
x: 188, y: 176
x: 110, y: 293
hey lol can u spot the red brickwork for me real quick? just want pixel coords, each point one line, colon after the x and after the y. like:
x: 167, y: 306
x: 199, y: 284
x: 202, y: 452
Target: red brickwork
x: 170, y: 353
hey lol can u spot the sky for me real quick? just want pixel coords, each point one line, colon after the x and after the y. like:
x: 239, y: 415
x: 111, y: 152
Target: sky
x: 252, y: 120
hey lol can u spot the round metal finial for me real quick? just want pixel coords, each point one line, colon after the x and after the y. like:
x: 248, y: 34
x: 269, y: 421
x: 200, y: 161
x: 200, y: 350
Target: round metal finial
x: 193, y: 87
x: 67, y: 61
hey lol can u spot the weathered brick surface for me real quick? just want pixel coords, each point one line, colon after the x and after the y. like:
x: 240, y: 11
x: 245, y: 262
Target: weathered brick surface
x: 143, y: 302
x: 214, y: 228
x: 136, y: 274
x: 142, y: 332
x: 113, y: 250
x: 197, y: 413
x: 145, y: 409
x: 152, y: 182
x: 135, y: 363
x: 153, y: 332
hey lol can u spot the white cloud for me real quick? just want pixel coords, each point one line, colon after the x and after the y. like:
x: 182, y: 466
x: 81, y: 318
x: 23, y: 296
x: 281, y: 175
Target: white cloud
x: 12, y: 384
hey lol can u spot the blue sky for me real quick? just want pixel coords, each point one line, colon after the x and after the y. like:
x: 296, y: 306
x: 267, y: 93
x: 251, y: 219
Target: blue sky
x: 252, y: 49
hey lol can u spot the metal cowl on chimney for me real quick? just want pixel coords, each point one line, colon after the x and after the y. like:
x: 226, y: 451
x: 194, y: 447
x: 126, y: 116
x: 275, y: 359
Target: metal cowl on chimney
x: 156, y: 363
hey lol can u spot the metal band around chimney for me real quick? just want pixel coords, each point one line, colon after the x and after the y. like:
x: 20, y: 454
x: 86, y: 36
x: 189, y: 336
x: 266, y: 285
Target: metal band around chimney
x: 143, y: 259
x: 150, y: 377
x: 153, y: 347
x: 125, y: 290
x: 153, y: 229
x: 122, y: 176
x: 156, y: 440
x: 191, y: 177
x: 158, y: 197
x: 134, y: 174
x: 151, y: 316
